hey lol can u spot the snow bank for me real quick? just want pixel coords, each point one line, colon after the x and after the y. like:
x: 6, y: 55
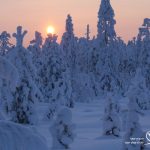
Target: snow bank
x: 17, y: 137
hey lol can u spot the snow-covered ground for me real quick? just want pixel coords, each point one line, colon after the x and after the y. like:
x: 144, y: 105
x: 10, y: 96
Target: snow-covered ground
x: 88, y: 120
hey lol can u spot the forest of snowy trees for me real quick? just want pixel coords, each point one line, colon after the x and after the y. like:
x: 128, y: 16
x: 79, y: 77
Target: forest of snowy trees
x: 75, y: 70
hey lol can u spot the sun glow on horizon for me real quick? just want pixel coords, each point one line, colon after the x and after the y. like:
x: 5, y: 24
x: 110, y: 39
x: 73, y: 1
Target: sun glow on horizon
x: 50, y: 30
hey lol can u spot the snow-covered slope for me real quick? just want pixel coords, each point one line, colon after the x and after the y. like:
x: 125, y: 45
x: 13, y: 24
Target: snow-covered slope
x: 17, y: 137
x: 88, y: 119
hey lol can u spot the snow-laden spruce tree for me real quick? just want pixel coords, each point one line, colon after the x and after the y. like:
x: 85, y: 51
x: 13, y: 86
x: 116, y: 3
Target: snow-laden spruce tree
x: 26, y: 95
x: 140, y: 91
x: 9, y: 79
x: 35, y: 49
x: 133, y: 128
x: 56, y: 86
x: 62, y: 130
x: 107, y: 52
x: 84, y: 91
x: 144, y: 53
x: 127, y: 66
x: 5, y: 44
x: 111, y: 120
x: 106, y: 22
x: 69, y: 46
x: 49, y: 54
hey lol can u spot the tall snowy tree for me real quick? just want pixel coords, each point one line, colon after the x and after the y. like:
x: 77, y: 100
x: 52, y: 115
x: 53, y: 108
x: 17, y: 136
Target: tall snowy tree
x: 35, y: 49
x: 84, y: 91
x: 56, y: 86
x: 107, y: 52
x: 9, y: 80
x: 69, y: 46
x: 26, y: 95
x: 144, y: 57
x: 106, y: 22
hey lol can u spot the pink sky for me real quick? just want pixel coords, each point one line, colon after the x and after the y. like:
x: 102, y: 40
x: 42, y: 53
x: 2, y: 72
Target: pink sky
x: 38, y: 14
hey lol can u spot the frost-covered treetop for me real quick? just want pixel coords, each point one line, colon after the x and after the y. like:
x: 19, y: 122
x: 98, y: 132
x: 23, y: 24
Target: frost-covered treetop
x: 68, y: 38
x: 5, y: 45
x: 51, y: 38
x: 69, y: 25
x: 19, y: 36
x: 106, y: 31
x: 4, y: 37
x: 144, y: 31
x: 146, y: 22
x: 38, y: 39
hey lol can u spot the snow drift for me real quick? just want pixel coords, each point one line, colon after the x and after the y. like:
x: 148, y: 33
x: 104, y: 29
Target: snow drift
x: 17, y: 137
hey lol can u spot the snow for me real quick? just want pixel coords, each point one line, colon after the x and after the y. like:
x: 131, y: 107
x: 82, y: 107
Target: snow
x: 59, y: 93
x: 17, y: 137
x: 88, y: 118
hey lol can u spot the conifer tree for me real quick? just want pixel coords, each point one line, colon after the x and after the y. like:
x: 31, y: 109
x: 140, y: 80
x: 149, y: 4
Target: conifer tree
x: 111, y: 120
x: 106, y: 22
x: 62, y: 130
x: 56, y: 86
x: 133, y: 128
x: 69, y: 46
x: 26, y: 95
x: 9, y: 80
x: 35, y: 49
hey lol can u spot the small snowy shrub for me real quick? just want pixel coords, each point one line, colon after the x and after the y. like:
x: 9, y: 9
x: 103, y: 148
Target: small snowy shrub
x: 111, y: 120
x: 133, y: 128
x: 62, y: 130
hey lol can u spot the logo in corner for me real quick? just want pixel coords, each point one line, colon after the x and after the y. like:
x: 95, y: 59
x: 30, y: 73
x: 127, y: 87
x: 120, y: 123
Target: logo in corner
x: 148, y: 138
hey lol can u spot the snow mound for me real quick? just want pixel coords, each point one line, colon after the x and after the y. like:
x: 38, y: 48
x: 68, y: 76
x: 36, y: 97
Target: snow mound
x: 65, y: 115
x: 17, y: 137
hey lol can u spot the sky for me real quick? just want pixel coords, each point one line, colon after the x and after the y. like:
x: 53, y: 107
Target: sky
x: 36, y: 15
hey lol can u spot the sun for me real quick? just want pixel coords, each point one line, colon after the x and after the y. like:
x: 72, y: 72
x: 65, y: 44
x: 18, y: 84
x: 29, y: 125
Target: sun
x: 50, y: 30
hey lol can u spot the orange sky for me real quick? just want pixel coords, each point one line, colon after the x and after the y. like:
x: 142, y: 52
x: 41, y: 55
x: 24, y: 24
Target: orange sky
x: 38, y: 14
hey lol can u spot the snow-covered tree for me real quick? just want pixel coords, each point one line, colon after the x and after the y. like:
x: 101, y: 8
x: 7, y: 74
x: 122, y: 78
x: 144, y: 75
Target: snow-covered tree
x: 106, y: 22
x: 140, y: 91
x: 35, y: 49
x: 56, y: 86
x: 127, y: 66
x: 69, y: 46
x: 9, y: 79
x: 62, y: 130
x: 144, y: 56
x: 106, y: 53
x: 84, y: 91
x: 5, y: 44
x: 19, y: 37
x: 111, y: 120
x: 133, y: 128
x: 26, y: 94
